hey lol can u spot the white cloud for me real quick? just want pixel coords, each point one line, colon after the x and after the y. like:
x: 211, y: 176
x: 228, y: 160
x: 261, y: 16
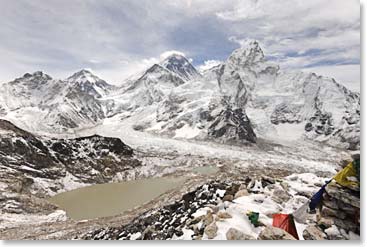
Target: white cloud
x: 118, y: 38
x: 208, y: 64
x: 348, y: 75
x: 299, y: 33
x: 166, y: 54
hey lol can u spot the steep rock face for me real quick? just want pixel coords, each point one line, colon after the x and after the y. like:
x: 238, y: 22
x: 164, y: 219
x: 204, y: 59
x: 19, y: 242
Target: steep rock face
x: 245, y: 69
x: 93, y: 159
x: 232, y: 126
x: 327, y: 110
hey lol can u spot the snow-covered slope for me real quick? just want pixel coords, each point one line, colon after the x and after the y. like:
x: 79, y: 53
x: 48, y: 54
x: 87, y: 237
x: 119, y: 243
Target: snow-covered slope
x: 90, y: 83
x: 243, y: 99
x: 278, y: 102
x: 248, y: 97
x: 37, y: 102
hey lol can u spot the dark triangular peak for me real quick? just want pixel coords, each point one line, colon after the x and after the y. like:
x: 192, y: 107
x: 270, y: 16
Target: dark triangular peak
x: 157, y: 74
x: 179, y: 64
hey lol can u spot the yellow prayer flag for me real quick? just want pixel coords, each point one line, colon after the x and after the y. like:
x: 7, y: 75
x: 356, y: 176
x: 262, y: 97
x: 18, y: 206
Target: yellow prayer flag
x: 342, y: 177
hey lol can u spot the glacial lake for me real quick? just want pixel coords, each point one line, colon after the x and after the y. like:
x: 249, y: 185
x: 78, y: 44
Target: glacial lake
x: 110, y: 199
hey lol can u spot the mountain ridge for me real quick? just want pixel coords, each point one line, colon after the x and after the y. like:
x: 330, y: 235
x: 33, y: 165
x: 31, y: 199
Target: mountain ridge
x: 185, y: 104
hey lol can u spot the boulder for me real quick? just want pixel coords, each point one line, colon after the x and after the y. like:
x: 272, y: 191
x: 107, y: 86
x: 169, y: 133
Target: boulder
x: 265, y: 181
x: 325, y: 222
x: 274, y: 233
x: 280, y: 195
x: 343, y: 194
x: 346, y: 224
x: 228, y: 198
x: 313, y: 233
x: 208, y: 219
x: 232, y: 189
x: 195, y: 220
x: 242, y: 187
x: 330, y: 203
x: 333, y: 233
x: 224, y: 215
x: 211, y: 230
x: 234, y: 234
x: 325, y: 211
x: 241, y: 193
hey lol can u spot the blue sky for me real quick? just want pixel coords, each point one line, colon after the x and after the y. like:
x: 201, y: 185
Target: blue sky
x: 119, y: 38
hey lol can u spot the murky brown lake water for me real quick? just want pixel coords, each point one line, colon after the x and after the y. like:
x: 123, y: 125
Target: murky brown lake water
x: 111, y: 199
x: 114, y: 198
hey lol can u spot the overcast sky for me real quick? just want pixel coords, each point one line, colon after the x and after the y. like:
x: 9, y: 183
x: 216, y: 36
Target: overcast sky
x: 116, y: 38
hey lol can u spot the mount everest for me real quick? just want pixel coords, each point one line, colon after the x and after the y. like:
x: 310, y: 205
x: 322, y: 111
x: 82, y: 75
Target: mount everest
x: 242, y: 100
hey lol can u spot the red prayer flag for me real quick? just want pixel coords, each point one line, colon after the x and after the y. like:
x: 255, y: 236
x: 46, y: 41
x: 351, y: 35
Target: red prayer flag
x: 285, y: 222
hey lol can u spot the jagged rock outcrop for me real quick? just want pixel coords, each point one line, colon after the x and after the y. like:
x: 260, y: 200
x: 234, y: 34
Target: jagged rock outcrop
x: 339, y: 215
x: 232, y: 126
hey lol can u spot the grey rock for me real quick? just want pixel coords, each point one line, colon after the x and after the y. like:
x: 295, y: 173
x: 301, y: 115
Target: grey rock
x: 228, y: 198
x: 241, y: 193
x: 313, y: 233
x: 325, y: 211
x: 280, y: 195
x: 234, y: 234
x: 224, y: 215
x: 211, y: 230
x: 343, y: 194
x: 274, y: 233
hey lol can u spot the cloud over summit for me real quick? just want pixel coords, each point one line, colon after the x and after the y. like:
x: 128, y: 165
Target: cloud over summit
x: 118, y: 38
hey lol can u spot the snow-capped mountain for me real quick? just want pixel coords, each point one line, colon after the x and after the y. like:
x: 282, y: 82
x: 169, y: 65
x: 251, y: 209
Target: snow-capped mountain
x: 240, y: 100
x: 248, y: 97
x: 151, y: 87
x: 90, y: 83
x: 181, y: 66
x: 289, y: 104
x: 58, y: 104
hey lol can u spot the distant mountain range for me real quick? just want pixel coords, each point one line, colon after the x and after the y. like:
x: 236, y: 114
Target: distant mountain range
x: 239, y: 101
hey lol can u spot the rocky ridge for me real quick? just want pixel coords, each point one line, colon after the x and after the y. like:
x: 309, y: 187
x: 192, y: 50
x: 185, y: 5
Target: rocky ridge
x: 33, y: 167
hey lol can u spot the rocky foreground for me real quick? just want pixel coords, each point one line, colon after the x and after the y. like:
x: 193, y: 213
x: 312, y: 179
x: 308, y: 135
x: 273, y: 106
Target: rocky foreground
x: 33, y: 168
x: 217, y: 210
